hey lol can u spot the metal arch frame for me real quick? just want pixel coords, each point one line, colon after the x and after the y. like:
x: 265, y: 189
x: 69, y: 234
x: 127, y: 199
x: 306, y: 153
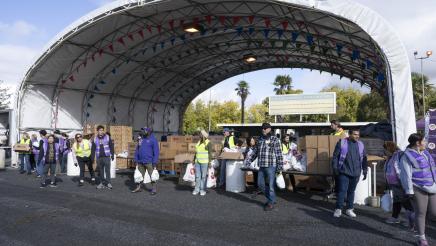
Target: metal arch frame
x: 135, y: 99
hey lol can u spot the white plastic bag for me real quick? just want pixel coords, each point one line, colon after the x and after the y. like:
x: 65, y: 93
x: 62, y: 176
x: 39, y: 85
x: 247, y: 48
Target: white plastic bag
x: 211, y: 180
x: 147, y: 178
x: 137, y: 176
x: 386, y: 201
x: 190, y: 173
x: 286, y: 165
x: 280, y: 181
x: 215, y: 163
x: 155, y: 175
x: 254, y: 165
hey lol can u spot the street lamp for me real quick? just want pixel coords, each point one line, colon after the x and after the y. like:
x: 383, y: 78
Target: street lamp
x: 422, y: 58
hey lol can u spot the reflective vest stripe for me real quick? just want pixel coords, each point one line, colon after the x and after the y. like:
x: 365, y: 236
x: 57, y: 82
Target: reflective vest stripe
x: 201, y: 153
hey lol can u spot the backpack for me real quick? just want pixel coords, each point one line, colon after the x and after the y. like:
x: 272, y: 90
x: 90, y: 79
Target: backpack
x: 392, y: 171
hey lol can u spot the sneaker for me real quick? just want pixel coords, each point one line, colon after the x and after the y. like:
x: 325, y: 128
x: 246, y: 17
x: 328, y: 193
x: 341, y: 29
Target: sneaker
x: 393, y: 220
x: 38, y: 176
x: 202, y: 193
x: 153, y: 193
x: 22, y: 171
x: 29, y: 173
x: 81, y: 182
x: 109, y: 186
x: 100, y: 186
x: 138, y: 189
x: 423, y: 242
x: 92, y: 180
x: 43, y: 186
x: 53, y: 185
x: 350, y: 213
x: 195, y: 193
x: 268, y: 207
x: 337, y: 213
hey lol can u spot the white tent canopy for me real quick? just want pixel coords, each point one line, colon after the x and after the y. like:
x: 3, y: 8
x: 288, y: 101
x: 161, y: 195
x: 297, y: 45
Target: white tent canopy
x: 131, y: 62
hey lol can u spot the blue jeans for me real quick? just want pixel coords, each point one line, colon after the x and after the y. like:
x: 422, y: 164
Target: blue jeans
x: 347, y: 185
x: 40, y: 167
x: 25, y: 163
x: 63, y: 162
x: 270, y: 174
x: 223, y: 164
x: 200, y: 177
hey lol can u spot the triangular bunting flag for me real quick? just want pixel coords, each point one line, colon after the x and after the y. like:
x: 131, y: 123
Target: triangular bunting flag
x: 250, y: 19
x: 285, y: 25
x: 121, y: 41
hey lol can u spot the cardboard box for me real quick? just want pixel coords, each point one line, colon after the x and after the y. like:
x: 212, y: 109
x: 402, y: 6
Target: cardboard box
x: 188, y: 139
x: 302, y: 144
x: 322, y: 154
x: 21, y: 148
x: 333, y: 140
x: 191, y: 147
x: 311, y: 160
x: 231, y: 156
x: 122, y: 163
x: 168, y: 165
x: 324, y: 167
x: 323, y: 142
x: 182, y: 158
x: 311, y: 142
x: 178, y: 167
x: 167, y: 154
x: 175, y: 139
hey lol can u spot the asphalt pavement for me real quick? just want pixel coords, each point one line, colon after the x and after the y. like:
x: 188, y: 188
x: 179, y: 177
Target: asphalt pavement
x: 72, y: 215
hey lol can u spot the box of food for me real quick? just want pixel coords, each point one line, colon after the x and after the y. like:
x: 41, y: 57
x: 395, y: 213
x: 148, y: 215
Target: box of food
x: 231, y: 156
x: 311, y: 141
x: 323, y: 154
x: 21, y: 148
x: 323, y: 142
x: 311, y: 154
x: 182, y: 158
x: 333, y: 140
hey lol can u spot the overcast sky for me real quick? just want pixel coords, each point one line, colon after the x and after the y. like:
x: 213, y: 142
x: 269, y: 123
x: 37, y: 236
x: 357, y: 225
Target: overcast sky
x: 27, y: 25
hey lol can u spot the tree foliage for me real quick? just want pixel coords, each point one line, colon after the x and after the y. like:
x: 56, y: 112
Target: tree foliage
x: 243, y: 91
x: 347, y: 103
x: 372, y: 107
x: 5, y: 95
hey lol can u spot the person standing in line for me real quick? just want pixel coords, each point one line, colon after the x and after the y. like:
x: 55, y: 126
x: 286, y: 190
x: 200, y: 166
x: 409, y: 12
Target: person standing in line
x: 338, y: 130
x: 39, y: 165
x: 49, y: 157
x: 62, y: 140
x: 288, y: 148
x: 251, y: 144
x: 147, y: 157
x: 202, y: 159
x: 82, y: 157
x: 270, y: 159
x: 230, y: 143
x: 24, y: 157
x: 103, y: 150
x: 349, y: 162
x: 35, y: 151
x: 418, y: 178
x: 392, y: 171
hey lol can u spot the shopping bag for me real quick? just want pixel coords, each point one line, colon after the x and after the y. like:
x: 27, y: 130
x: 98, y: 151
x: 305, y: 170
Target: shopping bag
x: 215, y: 163
x: 147, y: 178
x: 137, y: 176
x: 280, y: 181
x: 386, y: 201
x: 211, y: 180
x: 190, y: 173
x: 254, y: 165
x: 155, y: 175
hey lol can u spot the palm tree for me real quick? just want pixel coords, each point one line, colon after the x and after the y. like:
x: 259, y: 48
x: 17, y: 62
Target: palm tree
x: 283, y: 84
x: 242, y: 91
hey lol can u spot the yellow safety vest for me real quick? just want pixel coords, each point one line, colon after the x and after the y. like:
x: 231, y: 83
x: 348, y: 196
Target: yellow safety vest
x: 82, y: 152
x: 201, y: 153
x: 285, y: 149
x: 231, y: 142
x: 26, y: 142
x: 340, y: 133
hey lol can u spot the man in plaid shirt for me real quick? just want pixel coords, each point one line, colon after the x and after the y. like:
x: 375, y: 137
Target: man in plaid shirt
x: 270, y: 159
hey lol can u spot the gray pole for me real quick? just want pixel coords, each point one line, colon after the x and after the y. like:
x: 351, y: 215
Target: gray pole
x: 423, y: 90
x: 210, y: 96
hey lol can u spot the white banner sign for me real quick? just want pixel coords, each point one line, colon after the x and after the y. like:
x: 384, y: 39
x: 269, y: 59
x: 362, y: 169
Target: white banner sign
x: 320, y: 103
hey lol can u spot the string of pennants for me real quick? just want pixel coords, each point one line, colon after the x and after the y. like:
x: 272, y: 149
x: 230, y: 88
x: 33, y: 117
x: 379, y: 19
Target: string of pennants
x: 225, y: 23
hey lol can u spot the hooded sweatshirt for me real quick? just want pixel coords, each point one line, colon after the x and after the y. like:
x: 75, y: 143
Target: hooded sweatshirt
x: 148, y: 151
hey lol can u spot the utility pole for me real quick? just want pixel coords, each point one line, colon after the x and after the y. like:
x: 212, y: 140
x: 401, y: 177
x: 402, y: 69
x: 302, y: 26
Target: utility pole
x: 210, y: 96
x: 422, y: 58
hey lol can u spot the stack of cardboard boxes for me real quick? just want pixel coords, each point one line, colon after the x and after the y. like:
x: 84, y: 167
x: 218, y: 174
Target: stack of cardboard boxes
x: 319, y: 151
x: 168, y: 150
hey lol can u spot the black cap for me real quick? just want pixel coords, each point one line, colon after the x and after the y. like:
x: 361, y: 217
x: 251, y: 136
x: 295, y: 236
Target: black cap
x: 57, y: 132
x: 266, y: 125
